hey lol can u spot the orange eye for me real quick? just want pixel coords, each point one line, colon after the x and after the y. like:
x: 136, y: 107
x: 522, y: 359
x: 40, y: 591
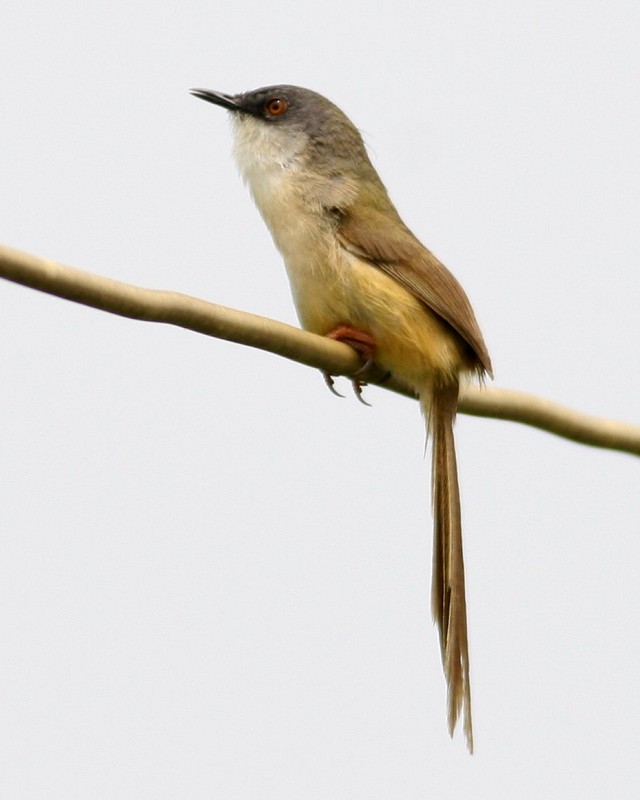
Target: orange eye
x: 276, y: 107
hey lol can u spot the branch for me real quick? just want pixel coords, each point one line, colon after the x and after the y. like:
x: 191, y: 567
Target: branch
x: 324, y: 354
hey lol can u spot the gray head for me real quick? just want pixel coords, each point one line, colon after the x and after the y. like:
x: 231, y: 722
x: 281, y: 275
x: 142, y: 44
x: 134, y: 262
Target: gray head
x: 297, y: 120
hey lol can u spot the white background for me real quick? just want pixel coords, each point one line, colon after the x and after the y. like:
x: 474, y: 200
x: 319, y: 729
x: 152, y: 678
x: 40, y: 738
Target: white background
x: 214, y: 575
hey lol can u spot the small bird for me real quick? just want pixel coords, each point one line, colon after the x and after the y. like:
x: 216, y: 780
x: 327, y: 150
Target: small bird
x: 360, y: 276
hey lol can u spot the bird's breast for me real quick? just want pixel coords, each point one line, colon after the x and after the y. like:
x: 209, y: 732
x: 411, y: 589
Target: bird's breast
x: 332, y: 286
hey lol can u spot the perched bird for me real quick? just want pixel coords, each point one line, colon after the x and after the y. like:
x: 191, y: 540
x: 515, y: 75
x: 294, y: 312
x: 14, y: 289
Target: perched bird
x: 359, y: 275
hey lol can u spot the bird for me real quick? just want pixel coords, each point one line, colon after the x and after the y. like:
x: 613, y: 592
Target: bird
x: 360, y: 276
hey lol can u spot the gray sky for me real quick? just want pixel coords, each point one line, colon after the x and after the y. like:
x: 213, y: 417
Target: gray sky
x: 214, y: 574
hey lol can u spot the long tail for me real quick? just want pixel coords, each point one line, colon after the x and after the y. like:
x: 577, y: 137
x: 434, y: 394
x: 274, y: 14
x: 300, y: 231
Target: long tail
x: 448, y: 603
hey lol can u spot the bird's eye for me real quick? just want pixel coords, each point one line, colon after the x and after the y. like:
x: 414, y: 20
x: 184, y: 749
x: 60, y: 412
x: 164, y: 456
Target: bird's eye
x: 276, y: 107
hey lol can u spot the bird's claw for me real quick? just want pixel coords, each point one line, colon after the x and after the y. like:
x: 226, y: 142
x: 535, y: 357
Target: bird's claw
x: 364, y: 345
x: 357, y: 388
x: 328, y: 379
x: 355, y: 383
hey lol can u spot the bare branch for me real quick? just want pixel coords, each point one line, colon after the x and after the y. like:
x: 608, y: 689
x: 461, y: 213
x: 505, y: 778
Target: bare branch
x: 552, y: 417
x: 152, y: 305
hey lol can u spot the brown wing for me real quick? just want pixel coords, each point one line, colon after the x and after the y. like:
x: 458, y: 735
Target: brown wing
x: 382, y: 238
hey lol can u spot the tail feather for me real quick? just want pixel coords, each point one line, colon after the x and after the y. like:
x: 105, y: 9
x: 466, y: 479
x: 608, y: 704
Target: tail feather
x: 448, y: 603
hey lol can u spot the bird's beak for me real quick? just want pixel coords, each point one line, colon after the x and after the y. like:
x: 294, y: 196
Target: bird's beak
x: 225, y: 100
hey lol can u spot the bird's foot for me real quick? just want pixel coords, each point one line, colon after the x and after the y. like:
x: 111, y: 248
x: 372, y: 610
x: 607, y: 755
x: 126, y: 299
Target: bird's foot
x: 364, y: 344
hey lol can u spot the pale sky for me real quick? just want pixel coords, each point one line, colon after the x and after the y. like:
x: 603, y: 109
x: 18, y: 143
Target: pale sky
x: 214, y: 574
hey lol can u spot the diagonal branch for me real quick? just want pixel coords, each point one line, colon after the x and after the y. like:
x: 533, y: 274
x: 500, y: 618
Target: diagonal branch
x: 329, y: 356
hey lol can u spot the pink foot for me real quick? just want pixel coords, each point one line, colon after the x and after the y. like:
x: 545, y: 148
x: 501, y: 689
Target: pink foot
x: 364, y: 344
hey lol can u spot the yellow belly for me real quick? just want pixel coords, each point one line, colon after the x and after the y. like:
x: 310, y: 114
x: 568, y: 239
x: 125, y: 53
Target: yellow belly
x: 333, y: 287
x: 412, y: 342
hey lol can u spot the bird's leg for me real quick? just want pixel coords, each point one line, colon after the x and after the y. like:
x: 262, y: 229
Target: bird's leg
x: 364, y: 344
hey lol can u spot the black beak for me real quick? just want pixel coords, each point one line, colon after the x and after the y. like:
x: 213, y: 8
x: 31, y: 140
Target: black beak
x: 225, y: 100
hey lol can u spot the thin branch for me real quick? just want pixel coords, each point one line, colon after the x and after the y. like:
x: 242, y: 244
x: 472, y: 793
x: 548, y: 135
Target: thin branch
x: 324, y: 354
x: 552, y: 417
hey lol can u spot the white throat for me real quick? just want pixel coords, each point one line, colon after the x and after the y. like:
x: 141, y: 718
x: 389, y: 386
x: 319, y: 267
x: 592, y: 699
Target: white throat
x: 260, y: 147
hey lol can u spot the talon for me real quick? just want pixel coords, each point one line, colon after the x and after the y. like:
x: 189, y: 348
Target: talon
x: 331, y: 384
x: 357, y: 388
x: 364, y: 346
